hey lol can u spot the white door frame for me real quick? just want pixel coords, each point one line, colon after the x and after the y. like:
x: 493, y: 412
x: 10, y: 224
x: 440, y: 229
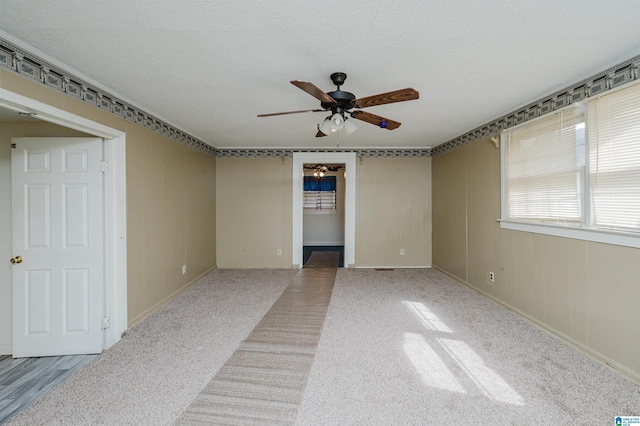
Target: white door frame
x: 115, y: 292
x: 349, y: 160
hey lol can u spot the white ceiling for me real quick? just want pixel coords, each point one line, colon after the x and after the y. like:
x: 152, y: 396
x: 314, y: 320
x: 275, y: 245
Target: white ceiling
x: 210, y: 67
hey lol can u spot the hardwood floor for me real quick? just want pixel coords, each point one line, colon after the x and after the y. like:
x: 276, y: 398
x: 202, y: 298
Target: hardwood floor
x: 24, y: 380
x: 307, y: 250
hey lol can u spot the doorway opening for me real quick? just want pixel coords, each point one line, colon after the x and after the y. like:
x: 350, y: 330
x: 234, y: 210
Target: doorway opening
x: 115, y: 262
x: 323, y: 210
x: 343, y: 235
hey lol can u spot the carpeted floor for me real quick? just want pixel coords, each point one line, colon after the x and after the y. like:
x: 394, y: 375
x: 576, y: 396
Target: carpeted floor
x: 162, y: 364
x: 398, y: 347
x: 264, y: 380
x: 24, y: 380
x: 415, y: 347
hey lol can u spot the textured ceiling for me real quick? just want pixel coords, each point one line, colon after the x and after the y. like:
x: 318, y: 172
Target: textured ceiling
x: 210, y: 67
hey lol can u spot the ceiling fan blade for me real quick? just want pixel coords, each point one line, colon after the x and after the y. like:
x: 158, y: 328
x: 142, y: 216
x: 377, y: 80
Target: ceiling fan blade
x: 290, y: 112
x: 320, y: 134
x: 401, y: 95
x: 375, y: 119
x: 313, y: 91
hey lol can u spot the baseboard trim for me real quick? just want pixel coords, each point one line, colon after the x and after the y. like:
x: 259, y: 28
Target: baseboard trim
x: 612, y: 364
x: 6, y: 349
x: 167, y: 299
x: 392, y: 267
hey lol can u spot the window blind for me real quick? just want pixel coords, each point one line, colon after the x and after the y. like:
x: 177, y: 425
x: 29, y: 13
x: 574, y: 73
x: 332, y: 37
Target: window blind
x: 319, y: 200
x: 614, y: 159
x: 544, y: 168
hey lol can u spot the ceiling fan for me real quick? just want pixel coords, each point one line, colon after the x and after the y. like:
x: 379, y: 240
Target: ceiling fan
x: 319, y: 170
x: 340, y: 103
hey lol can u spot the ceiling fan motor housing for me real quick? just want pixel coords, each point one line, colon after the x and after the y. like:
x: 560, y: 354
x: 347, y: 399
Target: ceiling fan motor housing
x: 342, y: 98
x: 345, y: 100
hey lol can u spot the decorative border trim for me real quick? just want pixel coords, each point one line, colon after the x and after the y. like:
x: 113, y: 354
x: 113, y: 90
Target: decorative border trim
x: 596, y: 85
x: 288, y: 153
x: 253, y: 153
x: 32, y: 67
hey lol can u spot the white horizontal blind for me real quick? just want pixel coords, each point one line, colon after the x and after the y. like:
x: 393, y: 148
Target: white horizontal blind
x: 319, y: 200
x: 614, y: 159
x: 544, y: 169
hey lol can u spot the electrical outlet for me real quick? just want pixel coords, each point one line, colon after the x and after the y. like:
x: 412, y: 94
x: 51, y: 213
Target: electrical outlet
x: 184, y: 269
x: 401, y: 252
x: 492, y: 277
x: 279, y: 252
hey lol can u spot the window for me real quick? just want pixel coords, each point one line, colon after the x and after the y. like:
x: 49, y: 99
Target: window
x: 614, y: 159
x: 544, y: 169
x: 577, y: 168
x: 319, y: 193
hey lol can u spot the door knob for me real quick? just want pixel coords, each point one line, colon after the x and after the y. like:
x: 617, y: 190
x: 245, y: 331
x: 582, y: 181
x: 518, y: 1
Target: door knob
x: 17, y: 259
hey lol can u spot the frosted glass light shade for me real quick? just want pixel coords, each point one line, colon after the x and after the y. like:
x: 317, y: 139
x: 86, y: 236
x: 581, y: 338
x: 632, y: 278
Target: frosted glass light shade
x: 337, y: 122
x: 325, y: 127
x: 349, y: 127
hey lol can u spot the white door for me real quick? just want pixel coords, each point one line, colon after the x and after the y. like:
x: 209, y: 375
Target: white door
x: 57, y: 215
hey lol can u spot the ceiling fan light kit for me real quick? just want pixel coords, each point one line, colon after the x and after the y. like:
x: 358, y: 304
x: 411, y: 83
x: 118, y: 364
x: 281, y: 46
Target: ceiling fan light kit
x: 325, y: 127
x: 340, y: 102
x: 349, y: 127
x: 337, y: 121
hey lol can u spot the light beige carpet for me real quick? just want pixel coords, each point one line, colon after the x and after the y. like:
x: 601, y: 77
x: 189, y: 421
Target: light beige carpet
x: 404, y: 347
x: 152, y: 375
x: 264, y: 380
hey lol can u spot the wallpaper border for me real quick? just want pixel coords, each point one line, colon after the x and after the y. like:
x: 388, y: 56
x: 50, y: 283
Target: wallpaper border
x: 602, y: 82
x: 288, y: 153
x: 32, y: 67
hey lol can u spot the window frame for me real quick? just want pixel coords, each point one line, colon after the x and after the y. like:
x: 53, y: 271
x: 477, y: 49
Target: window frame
x: 586, y: 231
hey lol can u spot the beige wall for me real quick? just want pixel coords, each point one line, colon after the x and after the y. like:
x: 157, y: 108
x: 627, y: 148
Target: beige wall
x: 170, y: 219
x: 393, y: 211
x: 586, y: 292
x: 254, y: 202
x: 170, y: 203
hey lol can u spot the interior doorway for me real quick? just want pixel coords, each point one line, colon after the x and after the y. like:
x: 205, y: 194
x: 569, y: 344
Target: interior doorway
x: 57, y: 192
x: 348, y: 161
x: 115, y: 261
x: 323, y: 209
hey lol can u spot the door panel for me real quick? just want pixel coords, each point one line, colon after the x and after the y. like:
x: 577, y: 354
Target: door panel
x: 38, y: 298
x: 37, y: 212
x: 74, y: 216
x: 58, y: 226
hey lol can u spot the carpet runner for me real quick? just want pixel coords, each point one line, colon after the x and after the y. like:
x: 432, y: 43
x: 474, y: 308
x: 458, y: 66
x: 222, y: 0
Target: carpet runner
x: 265, y: 378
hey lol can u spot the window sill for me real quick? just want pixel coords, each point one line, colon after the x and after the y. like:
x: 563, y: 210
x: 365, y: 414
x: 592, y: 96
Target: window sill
x: 587, y: 234
x: 319, y: 211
